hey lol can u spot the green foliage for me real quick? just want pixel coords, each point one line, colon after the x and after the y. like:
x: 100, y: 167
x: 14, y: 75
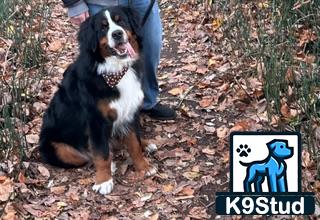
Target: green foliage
x: 22, y: 26
x: 270, y: 34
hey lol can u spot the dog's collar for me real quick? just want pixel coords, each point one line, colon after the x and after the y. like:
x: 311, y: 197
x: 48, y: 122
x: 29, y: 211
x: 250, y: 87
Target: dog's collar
x: 113, y: 78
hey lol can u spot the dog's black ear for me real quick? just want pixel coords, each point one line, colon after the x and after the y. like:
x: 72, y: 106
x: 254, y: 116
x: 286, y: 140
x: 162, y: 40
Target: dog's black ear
x: 87, y: 36
x: 271, y: 145
x: 134, y: 21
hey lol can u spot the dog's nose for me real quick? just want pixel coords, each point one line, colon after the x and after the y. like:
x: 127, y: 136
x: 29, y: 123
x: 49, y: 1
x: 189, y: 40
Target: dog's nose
x: 117, y: 35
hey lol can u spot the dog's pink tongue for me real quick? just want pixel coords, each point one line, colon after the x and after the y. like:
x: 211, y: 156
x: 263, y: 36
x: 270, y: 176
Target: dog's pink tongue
x: 130, y: 50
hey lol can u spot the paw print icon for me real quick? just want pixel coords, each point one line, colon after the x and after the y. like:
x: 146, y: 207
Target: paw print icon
x: 243, y: 150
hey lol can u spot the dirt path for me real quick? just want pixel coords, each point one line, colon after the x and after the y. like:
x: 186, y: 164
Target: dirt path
x: 193, y: 155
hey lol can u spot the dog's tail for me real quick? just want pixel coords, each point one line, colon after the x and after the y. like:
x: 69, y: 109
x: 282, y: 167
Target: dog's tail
x: 244, y: 164
x: 61, y: 155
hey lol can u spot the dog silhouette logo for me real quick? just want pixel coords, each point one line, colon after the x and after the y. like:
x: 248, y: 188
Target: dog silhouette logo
x: 274, y: 168
x: 265, y: 163
x: 265, y: 176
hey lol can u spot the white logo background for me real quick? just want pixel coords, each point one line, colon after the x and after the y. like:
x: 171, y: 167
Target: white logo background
x: 259, y: 151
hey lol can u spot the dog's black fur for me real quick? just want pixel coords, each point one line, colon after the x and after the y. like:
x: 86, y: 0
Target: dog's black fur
x: 72, y: 117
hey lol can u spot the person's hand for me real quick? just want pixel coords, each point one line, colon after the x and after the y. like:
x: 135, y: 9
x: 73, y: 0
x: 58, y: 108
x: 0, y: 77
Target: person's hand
x: 80, y: 18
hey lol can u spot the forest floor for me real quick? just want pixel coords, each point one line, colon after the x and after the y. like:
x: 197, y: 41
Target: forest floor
x: 197, y: 76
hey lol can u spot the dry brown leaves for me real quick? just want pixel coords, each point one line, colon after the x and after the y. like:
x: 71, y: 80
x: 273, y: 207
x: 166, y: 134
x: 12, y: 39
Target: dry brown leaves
x: 6, y: 188
x: 193, y: 153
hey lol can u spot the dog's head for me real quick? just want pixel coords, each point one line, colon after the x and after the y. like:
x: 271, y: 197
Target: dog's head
x: 280, y: 148
x: 113, y: 34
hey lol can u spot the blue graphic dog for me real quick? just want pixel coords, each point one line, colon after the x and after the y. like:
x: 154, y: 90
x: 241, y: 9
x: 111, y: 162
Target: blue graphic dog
x: 273, y: 167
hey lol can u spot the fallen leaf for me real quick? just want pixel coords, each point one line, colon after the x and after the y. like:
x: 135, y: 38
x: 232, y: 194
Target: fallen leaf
x: 34, y: 210
x: 106, y: 217
x: 147, y: 214
x: 209, y: 129
x: 39, y: 106
x: 212, y: 62
x: 61, y: 204
x: 199, y: 213
x: 154, y: 217
x: 83, y: 214
x: 190, y: 67
x: 187, y: 112
x: 73, y: 194
x: 170, y: 129
x: 310, y: 58
x: 240, y: 126
x: 202, y: 69
x: 306, y: 159
x: 222, y: 132
x: 167, y: 188
x: 224, y: 68
x: 215, y: 60
x: 43, y: 171
x: 86, y: 181
x: 58, y: 190
x: 208, y: 151
x: 9, y: 212
x: 55, y: 46
x: 289, y: 75
x: 32, y: 138
x: 6, y: 188
x: 176, y: 91
x: 206, y: 101
x: 225, y: 158
x: 191, y: 175
x: 216, y: 23
x: 224, y: 87
x: 146, y: 197
x: 196, y: 169
x: 263, y: 5
x: 21, y: 177
x: 187, y: 191
x: 287, y: 112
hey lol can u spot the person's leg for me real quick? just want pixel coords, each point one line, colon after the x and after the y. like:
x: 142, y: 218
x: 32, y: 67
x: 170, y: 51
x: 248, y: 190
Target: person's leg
x: 94, y: 9
x: 151, y: 44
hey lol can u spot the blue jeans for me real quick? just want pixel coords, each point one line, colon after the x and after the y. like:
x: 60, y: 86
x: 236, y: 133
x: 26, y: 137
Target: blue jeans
x: 151, y: 44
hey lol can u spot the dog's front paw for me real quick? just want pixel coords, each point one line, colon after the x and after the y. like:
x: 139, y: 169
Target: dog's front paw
x: 103, y: 188
x: 151, y: 148
x: 151, y: 171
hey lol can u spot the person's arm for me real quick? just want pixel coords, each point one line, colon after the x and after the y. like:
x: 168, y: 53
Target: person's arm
x: 77, y: 10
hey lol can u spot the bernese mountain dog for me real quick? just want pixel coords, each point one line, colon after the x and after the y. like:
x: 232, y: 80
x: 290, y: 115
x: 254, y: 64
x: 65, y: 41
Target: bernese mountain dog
x: 99, y: 100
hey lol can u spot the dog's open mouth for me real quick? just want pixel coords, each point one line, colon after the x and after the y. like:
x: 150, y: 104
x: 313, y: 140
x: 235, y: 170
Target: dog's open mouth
x: 123, y: 49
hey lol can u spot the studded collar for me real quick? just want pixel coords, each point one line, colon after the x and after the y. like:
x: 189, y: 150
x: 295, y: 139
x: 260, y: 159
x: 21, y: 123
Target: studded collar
x: 113, y: 78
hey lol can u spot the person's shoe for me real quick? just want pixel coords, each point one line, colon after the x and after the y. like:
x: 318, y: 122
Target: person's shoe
x: 161, y: 112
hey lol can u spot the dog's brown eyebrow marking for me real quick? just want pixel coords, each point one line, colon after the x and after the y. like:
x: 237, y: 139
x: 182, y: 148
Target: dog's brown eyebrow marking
x: 117, y: 18
x: 104, y: 22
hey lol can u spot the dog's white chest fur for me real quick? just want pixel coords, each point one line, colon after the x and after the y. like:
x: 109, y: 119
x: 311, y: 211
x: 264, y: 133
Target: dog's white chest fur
x: 130, y: 100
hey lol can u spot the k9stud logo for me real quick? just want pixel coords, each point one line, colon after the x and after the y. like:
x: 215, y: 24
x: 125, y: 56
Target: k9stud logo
x: 265, y: 176
x: 265, y: 163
